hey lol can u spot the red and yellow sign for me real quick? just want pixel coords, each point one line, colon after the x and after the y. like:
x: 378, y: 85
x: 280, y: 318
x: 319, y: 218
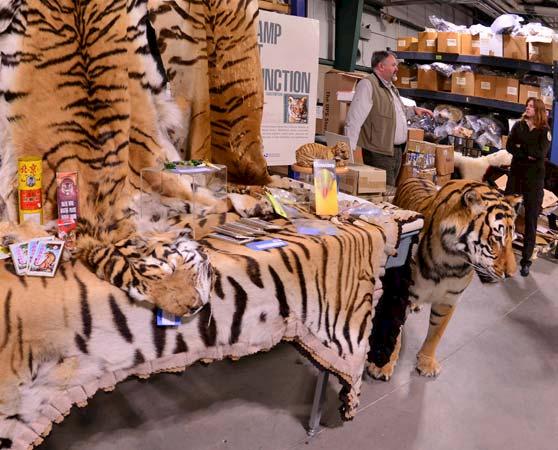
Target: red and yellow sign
x: 30, y: 175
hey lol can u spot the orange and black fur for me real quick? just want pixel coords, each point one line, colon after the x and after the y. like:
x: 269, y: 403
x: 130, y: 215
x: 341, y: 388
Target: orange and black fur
x: 468, y: 228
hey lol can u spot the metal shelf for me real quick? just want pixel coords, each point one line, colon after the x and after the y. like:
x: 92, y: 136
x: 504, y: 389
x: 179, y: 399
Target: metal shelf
x: 464, y: 99
x: 493, y: 61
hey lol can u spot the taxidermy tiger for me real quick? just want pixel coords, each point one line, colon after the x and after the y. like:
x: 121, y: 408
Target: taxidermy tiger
x: 307, y: 153
x: 469, y: 227
x: 297, y: 110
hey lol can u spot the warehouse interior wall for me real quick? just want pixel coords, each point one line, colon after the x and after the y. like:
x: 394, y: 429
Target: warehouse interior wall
x: 383, y: 34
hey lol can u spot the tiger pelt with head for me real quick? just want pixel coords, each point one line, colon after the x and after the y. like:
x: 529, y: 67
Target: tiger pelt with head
x: 469, y: 227
x: 82, y: 89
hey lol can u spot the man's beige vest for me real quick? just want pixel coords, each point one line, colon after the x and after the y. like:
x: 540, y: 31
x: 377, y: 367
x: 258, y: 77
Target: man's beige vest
x: 378, y: 131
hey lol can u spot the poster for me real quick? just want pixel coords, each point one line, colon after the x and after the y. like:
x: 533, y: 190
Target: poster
x: 289, y: 51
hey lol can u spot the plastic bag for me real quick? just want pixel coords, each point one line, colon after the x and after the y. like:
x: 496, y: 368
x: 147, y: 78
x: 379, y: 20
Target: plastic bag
x: 445, y: 69
x: 424, y: 66
x: 490, y: 139
x: 314, y: 227
x: 460, y: 69
x: 506, y: 23
x: 366, y: 210
x: 535, y: 32
x: 547, y: 89
x: 443, y: 131
x: 480, y: 29
x: 443, y: 25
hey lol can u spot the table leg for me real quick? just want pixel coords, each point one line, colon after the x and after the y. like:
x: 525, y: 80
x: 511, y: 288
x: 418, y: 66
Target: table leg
x: 318, y: 403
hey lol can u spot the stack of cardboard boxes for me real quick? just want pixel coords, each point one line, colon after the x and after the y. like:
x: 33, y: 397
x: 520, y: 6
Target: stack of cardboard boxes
x: 339, y: 88
x: 501, y: 88
x: 426, y: 159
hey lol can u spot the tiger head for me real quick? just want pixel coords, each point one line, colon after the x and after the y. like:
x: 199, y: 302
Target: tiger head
x: 480, y: 227
x: 341, y: 151
x: 298, y: 111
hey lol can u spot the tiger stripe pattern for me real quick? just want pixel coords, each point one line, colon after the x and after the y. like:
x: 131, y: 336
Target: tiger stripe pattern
x: 469, y: 227
x: 211, y: 55
x: 81, y: 88
x: 63, y: 338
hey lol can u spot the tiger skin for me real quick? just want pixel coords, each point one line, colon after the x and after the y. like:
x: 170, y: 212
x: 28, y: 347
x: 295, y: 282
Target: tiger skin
x: 211, y: 56
x: 469, y: 227
x: 64, y: 338
x: 80, y: 88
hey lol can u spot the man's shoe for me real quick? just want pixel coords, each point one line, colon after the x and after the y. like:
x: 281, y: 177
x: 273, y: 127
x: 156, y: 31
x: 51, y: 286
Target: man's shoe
x: 524, y: 271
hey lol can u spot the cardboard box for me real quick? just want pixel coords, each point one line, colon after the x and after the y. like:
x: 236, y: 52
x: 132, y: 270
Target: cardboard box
x: 334, y: 111
x: 319, y: 119
x: 543, y: 52
x: 428, y: 41
x: 442, y: 179
x: 421, y: 147
x: 463, y: 83
x: 444, y: 159
x: 507, y: 89
x: 485, y: 86
x: 405, y: 173
x: 485, y: 44
x: 413, y: 145
x: 427, y: 79
x: 449, y: 42
x: 369, y: 180
x: 444, y: 83
x: 547, y: 100
x: 515, y: 47
x: 526, y: 91
x: 407, y: 44
x: 415, y: 134
x: 405, y: 76
x: 466, y: 44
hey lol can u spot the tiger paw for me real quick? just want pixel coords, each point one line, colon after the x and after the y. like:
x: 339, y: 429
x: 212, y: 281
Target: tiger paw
x: 428, y: 366
x: 383, y: 373
x: 415, y: 307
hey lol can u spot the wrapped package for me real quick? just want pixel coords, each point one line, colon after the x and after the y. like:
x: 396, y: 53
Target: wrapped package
x: 506, y: 24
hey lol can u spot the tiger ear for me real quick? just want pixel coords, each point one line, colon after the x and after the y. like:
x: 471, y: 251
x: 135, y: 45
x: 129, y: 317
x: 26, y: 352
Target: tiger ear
x: 471, y: 200
x: 291, y: 100
x: 515, y: 201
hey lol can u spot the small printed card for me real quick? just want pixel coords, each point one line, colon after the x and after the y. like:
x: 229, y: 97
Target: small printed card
x: 267, y: 244
x: 166, y: 319
x: 19, y: 253
x: 46, y: 258
x: 33, y: 244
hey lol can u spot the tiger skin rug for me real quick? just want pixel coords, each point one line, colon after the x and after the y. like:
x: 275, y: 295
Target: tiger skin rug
x: 63, y: 339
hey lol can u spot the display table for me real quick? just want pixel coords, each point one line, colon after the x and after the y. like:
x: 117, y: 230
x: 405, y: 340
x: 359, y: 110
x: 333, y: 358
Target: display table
x: 68, y: 337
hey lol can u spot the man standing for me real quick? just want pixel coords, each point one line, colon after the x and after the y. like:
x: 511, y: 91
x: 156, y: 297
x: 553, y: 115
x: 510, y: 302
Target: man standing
x: 377, y: 119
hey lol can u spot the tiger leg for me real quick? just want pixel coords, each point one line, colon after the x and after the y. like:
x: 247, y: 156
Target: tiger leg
x: 440, y: 315
x: 385, y: 372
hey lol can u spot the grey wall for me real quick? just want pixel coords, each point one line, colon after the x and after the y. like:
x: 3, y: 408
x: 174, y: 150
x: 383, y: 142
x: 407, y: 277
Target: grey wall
x: 384, y: 34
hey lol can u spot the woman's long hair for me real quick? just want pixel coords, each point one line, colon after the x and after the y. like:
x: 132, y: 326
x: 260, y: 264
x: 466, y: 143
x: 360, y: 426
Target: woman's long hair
x: 540, y: 120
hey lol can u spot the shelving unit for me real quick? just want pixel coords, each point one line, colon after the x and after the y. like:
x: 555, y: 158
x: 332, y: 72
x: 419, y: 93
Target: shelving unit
x: 463, y: 99
x: 492, y: 61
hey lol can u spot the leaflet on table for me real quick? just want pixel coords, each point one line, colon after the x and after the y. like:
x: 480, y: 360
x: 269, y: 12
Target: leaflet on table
x: 325, y: 186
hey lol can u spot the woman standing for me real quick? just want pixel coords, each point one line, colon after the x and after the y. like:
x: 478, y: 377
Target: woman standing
x: 529, y: 142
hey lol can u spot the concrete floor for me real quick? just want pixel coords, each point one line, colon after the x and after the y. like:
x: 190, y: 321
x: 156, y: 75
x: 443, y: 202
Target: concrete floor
x: 498, y: 390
